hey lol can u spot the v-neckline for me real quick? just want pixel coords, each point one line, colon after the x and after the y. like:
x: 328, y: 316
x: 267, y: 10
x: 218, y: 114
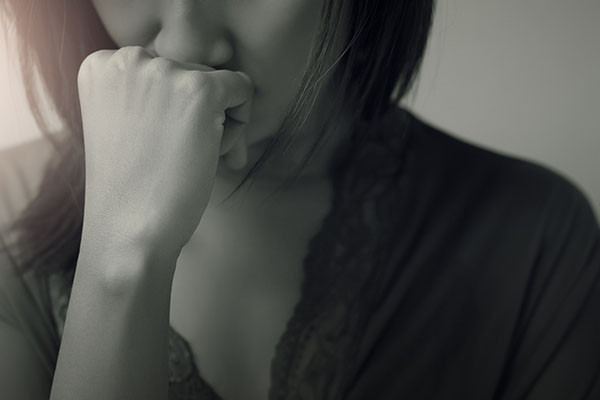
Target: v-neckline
x: 291, y: 346
x: 286, y: 351
x: 283, y: 349
x: 298, y: 330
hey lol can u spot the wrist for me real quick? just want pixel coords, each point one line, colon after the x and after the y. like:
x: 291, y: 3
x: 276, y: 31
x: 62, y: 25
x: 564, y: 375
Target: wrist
x: 124, y: 263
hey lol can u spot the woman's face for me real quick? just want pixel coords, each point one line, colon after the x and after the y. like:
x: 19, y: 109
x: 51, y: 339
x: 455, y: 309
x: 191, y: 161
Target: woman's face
x: 267, y: 39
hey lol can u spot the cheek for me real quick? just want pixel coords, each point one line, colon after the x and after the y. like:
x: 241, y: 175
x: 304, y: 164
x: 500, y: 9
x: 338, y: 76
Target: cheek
x: 273, y: 40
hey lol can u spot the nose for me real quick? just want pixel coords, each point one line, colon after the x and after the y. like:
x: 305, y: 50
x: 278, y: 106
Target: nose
x: 192, y: 31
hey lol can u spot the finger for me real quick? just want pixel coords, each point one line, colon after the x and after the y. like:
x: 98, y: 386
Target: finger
x: 91, y: 63
x: 237, y: 90
x: 236, y: 95
x: 100, y: 56
x: 237, y: 86
x: 193, y: 67
x: 127, y: 56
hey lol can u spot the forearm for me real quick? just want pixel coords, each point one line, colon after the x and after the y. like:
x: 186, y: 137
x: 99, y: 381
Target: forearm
x: 115, y: 340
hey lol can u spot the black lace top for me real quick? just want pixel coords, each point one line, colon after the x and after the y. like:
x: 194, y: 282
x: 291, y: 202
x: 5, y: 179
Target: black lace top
x: 443, y: 271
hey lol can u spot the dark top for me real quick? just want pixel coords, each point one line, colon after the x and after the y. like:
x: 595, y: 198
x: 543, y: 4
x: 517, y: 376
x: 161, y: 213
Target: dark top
x: 443, y: 271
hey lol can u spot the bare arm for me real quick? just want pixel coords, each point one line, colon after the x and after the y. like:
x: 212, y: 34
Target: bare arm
x: 115, y: 343
x: 152, y: 136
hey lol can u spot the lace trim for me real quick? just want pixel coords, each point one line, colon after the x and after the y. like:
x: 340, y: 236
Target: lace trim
x: 346, y: 270
x: 347, y: 267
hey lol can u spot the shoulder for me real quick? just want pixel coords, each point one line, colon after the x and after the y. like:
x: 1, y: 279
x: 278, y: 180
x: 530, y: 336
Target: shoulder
x: 476, y: 204
x: 21, y: 170
x: 448, y: 169
x: 507, y: 247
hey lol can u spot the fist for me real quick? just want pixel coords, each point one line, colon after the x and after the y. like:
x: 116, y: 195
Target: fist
x: 153, y: 131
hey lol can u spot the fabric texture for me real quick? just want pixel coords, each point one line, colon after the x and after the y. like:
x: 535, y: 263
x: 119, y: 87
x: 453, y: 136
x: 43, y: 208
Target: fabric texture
x: 443, y: 271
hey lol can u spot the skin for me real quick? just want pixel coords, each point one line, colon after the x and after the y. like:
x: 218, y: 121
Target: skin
x: 162, y: 103
x: 266, y: 39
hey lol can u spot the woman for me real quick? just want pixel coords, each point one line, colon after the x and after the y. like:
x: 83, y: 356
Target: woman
x: 371, y: 256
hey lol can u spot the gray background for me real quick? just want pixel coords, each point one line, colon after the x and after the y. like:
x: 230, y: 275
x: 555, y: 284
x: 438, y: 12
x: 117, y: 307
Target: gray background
x: 521, y: 77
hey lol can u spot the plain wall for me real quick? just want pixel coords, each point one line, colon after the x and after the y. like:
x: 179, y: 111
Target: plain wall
x: 521, y: 77
x: 518, y: 76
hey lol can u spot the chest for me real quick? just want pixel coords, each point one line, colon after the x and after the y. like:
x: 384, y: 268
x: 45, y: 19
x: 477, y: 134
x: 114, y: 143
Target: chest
x: 236, y: 285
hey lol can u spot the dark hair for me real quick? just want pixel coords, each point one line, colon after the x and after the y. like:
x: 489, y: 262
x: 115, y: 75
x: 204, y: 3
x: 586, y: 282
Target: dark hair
x: 383, y: 46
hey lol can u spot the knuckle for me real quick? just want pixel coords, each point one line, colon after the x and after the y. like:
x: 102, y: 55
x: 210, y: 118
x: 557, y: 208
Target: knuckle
x: 137, y: 51
x: 159, y: 66
x: 89, y: 63
x: 83, y: 72
x: 136, y: 54
x: 126, y: 56
x: 198, y: 82
x: 131, y: 52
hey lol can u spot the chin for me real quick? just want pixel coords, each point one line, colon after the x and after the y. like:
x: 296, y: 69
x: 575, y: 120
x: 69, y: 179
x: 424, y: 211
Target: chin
x: 259, y: 133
